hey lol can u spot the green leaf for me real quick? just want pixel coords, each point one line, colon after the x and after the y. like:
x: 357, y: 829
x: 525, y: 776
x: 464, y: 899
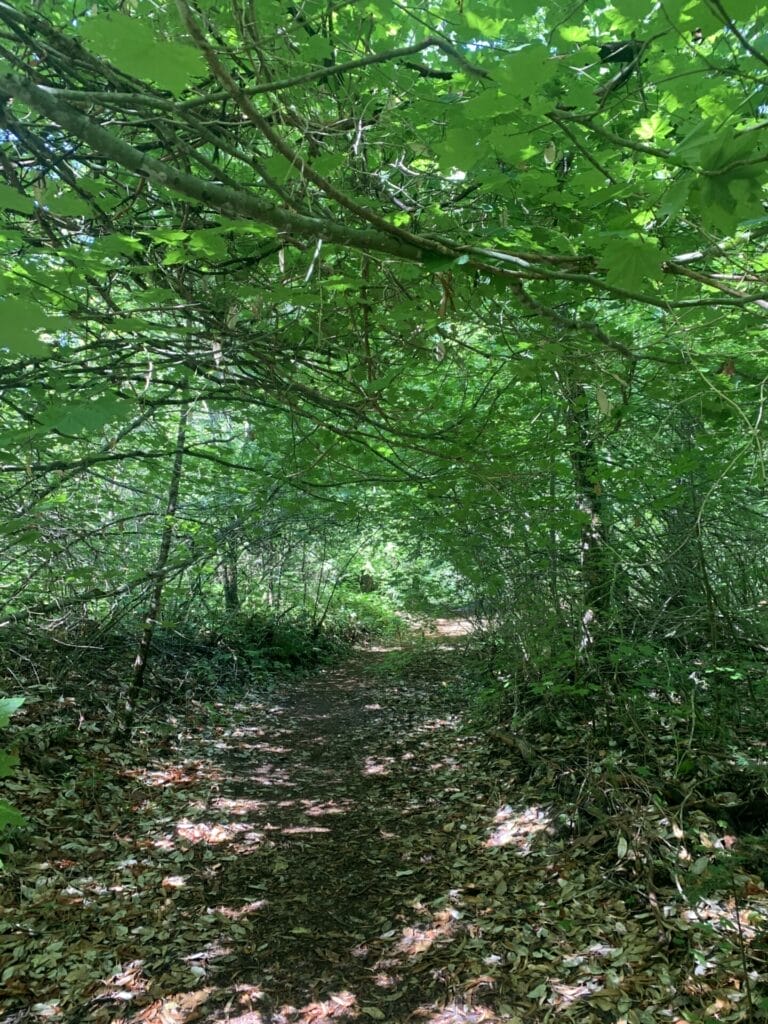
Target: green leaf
x: 700, y: 865
x: 209, y: 242
x: 732, y: 189
x: 87, y: 417
x: 317, y: 49
x: 434, y: 261
x: 10, y: 199
x: 8, y: 706
x: 130, y: 45
x: 279, y: 168
x: 119, y: 245
x: 7, y: 763
x: 630, y: 262
x: 65, y: 203
x: 632, y: 10
x: 676, y: 196
x: 574, y: 33
x: 525, y: 71
x: 328, y: 163
x: 10, y: 816
x: 481, y: 21
x: 20, y: 322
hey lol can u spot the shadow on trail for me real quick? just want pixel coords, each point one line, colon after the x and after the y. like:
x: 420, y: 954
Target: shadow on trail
x: 341, y: 902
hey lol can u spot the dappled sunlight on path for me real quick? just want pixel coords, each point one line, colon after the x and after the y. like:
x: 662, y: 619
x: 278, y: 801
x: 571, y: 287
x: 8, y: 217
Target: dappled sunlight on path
x: 328, y: 836
x: 342, y: 849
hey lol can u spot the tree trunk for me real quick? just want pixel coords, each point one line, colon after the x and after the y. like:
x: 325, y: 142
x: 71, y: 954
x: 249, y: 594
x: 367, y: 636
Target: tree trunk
x: 229, y: 572
x: 590, y: 499
x: 686, y: 575
x: 156, y: 594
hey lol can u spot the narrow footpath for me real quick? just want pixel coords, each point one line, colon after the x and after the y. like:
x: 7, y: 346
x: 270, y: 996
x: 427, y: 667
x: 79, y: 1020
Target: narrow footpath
x: 348, y: 795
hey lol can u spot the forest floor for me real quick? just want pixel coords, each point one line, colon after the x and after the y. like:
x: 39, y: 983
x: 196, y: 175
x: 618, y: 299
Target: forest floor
x: 346, y: 848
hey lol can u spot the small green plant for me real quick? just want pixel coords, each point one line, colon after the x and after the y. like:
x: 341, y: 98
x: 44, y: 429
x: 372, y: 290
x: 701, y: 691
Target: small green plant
x: 9, y: 816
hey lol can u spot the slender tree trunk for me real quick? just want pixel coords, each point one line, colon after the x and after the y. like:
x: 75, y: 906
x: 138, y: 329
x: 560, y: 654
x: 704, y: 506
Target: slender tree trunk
x: 686, y: 575
x: 229, y: 571
x: 554, y: 552
x: 156, y: 594
x: 593, y: 555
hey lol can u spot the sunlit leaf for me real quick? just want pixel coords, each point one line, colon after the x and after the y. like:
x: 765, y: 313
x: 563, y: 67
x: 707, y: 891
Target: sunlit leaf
x: 630, y: 262
x: 9, y: 705
x: 132, y: 46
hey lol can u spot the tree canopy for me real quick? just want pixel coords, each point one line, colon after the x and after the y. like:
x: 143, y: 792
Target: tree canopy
x: 374, y: 242
x: 491, y: 282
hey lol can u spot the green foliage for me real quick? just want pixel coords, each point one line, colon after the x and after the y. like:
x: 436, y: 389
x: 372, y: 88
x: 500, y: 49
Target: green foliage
x: 481, y: 324
x: 22, y: 323
x: 132, y: 46
x: 9, y: 816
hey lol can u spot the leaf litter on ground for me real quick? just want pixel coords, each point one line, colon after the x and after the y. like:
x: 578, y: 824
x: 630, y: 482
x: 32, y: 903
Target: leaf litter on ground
x: 348, y: 847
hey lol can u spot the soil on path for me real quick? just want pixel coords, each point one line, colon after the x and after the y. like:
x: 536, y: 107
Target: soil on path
x: 346, y: 788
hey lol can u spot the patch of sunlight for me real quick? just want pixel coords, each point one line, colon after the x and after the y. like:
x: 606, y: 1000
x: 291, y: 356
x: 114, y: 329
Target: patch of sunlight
x: 239, y: 732
x: 457, y: 1013
x: 212, y: 951
x: 317, y: 808
x: 214, y: 833
x: 517, y: 826
x: 239, y: 806
x: 311, y: 808
x: 174, y: 882
x: 243, y: 999
x: 436, y: 724
x: 240, y: 747
x: 125, y: 983
x: 300, y: 830
x: 377, y: 765
x: 271, y: 777
x: 338, y: 1005
x: 175, y: 1009
x: 236, y: 913
x: 85, y: 890
x: 453, y: 627
x: 744, y: 919
x: 597, y: 949
x: 441, y: 928
x: 384, y: 980
x: 179, y: 775
x: 563, y: 994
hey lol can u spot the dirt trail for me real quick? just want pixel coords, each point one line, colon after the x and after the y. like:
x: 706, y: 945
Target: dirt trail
x: 340, y: 785
x: 334, y: 850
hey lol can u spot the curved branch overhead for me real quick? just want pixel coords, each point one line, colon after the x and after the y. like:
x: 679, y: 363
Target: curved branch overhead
x: 654, y: 177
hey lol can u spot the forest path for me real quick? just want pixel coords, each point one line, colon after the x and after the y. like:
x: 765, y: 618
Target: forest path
x: 344, y: 847
x: 346, y: 789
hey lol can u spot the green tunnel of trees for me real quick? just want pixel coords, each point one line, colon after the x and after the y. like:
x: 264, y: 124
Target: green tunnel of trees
x: 321, y: 321
x: 310, y: 313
